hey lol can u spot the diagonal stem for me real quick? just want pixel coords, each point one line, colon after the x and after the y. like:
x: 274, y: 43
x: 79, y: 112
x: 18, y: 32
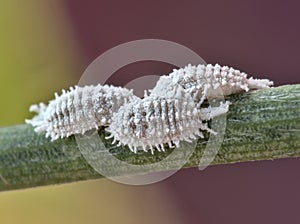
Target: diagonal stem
x: 260, y: 125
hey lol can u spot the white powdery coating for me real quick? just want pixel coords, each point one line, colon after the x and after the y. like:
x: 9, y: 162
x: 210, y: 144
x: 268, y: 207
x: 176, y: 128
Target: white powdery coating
x: 203, y: 80
x: 150, y: 123
x: 79, y: 110
x: 172, y: 113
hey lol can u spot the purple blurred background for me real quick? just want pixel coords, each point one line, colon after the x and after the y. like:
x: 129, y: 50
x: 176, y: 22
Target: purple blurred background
x: 259, y: 37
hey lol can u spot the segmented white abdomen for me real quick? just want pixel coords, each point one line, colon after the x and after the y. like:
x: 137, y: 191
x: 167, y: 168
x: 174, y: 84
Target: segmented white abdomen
x: 152, y: 122
x: 79, y: 110
x: 201, y: 81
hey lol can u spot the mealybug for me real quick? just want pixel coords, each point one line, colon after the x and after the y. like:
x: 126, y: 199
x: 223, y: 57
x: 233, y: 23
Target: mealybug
x: 202, y: 80
x: 150, y: 123
x: 79, y: 110
x: 173, y: 111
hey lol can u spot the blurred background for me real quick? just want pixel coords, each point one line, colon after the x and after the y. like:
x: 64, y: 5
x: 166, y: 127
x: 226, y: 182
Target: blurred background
x: 46, y: 45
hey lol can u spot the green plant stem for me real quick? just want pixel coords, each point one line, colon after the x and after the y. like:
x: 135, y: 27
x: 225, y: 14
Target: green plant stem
x: 261, y: 125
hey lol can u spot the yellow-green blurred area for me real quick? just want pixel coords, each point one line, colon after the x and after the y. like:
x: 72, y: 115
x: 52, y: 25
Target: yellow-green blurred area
x: 39, y: 55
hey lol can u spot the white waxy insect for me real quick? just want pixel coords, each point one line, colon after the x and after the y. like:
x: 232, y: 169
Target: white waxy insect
x: 151, y: 122
x: 172, y: 113
x: 202, y: 81
x: 79, y: 110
